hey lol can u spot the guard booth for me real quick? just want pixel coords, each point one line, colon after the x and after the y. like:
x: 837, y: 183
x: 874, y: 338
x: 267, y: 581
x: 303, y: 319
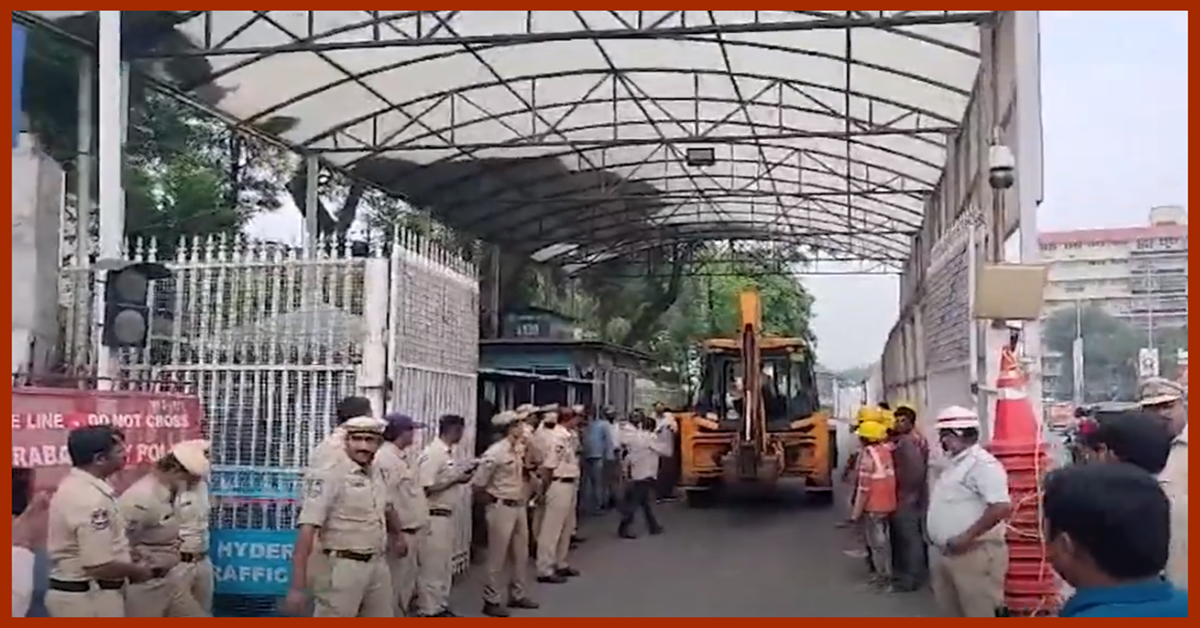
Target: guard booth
x: 540, y: 358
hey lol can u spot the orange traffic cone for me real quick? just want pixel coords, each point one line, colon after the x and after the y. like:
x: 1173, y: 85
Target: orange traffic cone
x: 1030, y: 587
x: 1015, y: 421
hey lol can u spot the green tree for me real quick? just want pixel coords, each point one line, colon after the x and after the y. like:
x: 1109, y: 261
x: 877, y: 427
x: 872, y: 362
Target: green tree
x: 1110, y: 349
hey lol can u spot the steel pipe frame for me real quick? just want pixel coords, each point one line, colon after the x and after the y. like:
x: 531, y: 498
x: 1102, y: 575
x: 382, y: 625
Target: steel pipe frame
x: 982, y: 16
x: 463, y: 89
x: 706, y: 232
x: 808, y: 228
x: 485, y: 221
x: 820, y: 22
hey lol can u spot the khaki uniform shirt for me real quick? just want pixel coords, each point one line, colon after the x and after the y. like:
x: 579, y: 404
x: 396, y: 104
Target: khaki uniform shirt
x: 407, y: 496
x: 1174, y: 483
x: 349, y: 504
x: 501, y: 471
x: 193, y: 507
x: 539, y: 444
x: 437, y: 466
x: 152, y: 525
x: 562, y: 454
x: 85, y: 528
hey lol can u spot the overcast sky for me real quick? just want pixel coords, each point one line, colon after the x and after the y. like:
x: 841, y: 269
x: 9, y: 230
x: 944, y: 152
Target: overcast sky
x: 1114, y: 111
x: 1114, y: 102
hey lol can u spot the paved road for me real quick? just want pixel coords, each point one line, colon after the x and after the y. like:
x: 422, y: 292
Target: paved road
x: 783, y: 560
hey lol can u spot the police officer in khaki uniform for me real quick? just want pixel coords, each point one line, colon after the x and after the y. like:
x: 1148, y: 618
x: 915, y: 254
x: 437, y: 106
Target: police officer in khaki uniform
x: 536, y: 451
x: 443, y: 479
x: 330, y: 451
x: 195, y: 568
x: 149, y: 510
x: 347, y: 505
x: 89, y: 552
x: 560, y: 475
x: 409, y: 501
x: 501, y: 483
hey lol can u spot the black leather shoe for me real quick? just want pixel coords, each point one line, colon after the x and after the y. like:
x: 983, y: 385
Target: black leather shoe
x: 523, y: 602
x: 567, y: 572
x: 495, y: 610
x: 555, y: 579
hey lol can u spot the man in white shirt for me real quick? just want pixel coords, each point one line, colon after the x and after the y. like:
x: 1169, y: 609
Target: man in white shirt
x: 665, y: 429
x: 644, y: 450
x: 1168, y: 399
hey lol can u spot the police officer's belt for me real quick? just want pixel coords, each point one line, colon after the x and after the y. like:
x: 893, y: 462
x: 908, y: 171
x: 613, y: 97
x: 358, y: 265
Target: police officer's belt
x: 362, y: 557
x: 83, y: 586
x: 410, y: 530
x: 440, y: 512
x: 565, y: 480
x: 511, y: 503
x: 192, y: 557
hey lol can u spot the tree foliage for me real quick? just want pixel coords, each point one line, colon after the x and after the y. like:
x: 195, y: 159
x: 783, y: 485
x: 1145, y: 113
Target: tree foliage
x: 1110, y: 350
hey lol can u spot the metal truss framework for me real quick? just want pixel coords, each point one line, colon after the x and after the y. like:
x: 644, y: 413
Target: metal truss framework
x: 566, y: 133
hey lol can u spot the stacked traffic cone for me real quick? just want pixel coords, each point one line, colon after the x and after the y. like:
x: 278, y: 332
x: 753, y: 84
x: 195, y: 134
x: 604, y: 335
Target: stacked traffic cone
x: 1031, y: 587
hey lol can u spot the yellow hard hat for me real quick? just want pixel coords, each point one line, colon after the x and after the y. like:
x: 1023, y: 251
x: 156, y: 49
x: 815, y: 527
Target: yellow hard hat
x: 866, y: 414
x: 886, y: 418
x: 872, y: 431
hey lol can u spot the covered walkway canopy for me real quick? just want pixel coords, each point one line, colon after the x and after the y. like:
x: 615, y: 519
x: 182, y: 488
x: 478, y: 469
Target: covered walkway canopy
x: 579, y: 136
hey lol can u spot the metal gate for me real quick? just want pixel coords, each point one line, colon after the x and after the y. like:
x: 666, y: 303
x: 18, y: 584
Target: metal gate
x: 272, y: 338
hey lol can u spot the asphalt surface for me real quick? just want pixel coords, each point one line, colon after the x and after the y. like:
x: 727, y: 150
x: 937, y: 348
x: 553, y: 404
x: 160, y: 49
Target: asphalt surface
x: 755, y: 559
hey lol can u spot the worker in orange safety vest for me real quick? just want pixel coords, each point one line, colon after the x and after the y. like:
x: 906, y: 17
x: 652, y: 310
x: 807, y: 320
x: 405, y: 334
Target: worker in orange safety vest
x: 875, y: 502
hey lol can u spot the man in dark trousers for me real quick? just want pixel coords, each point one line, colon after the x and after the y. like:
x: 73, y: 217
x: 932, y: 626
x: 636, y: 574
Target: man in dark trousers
x: 908, y: 539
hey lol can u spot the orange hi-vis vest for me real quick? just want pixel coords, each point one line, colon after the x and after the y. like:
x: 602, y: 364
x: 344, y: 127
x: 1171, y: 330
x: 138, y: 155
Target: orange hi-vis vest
x: 877, y: 479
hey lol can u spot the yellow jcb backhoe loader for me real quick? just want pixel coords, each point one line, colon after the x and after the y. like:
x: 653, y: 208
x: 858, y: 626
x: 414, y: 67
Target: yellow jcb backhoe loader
x: 756, y: 418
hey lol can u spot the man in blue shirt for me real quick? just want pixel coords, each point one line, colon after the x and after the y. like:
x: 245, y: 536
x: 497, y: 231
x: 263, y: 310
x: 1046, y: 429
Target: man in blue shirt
x: 597, y: 444
x: 1109, y: 528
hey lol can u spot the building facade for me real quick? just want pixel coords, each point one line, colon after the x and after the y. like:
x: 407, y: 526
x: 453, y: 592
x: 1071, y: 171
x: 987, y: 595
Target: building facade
x: 1136, y: 274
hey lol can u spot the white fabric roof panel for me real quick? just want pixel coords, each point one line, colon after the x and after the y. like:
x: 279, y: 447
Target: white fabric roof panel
x: 565, y: 131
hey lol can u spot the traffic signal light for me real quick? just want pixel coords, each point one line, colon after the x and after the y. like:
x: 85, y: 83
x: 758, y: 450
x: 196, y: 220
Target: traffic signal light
x: 126, y: 304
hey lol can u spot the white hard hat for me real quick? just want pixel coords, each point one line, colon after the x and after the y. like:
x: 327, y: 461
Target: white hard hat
x: 957, y: 418
x: 192, y: 455
x: 504, y: 419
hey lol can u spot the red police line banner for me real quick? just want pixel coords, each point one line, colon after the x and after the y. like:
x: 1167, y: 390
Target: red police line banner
x: 152, y: 423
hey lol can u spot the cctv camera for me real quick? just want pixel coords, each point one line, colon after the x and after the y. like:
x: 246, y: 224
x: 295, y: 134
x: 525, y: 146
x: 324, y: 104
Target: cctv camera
x: 1002, y: 167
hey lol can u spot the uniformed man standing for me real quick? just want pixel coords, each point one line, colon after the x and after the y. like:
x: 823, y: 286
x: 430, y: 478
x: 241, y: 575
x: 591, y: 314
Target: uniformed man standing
x: 409, y: 501
x: 539, y: 444
x: 153, y: 526
x: 329, y: 451
x: 560, y: 474
x: 444, y: 480
x: 502, y: 486
x: 89, y: 552
x: 195, y: 568
x: 346, y: 504
x: 968, y: 505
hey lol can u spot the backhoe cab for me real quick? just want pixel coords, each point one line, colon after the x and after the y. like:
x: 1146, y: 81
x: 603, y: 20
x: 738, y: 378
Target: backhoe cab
x: 756, y: 415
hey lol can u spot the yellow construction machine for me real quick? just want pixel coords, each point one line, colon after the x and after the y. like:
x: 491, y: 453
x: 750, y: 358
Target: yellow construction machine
x: 756, y: 417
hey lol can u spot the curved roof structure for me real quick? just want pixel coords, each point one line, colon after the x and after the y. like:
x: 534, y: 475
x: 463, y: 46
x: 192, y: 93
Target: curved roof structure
x: 579, y: 136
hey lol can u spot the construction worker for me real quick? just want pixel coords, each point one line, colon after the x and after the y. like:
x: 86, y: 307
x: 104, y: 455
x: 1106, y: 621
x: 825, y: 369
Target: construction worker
x: 560, y: 476
x: 500, y: 481
x: 346, y: 504
x: 968, y: 505
x: 89, y: 552
x: 1168, y: 399
x: 195, y: 567
x: 408, y: 499
x: 909, y: 555
x: 149, y: 508
x: 875, y: 500
x: 443, y: 479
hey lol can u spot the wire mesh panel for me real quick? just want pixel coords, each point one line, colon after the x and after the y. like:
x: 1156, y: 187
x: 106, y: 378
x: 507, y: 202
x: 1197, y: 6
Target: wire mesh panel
x: 434, y: 355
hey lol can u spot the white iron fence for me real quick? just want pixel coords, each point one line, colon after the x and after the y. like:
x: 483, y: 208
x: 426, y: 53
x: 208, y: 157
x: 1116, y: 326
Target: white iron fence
x: 272, y: 338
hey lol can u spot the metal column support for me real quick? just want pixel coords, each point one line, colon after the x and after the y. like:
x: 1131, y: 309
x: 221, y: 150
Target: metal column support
x: 113, y: 76
x: 85, y: 136
x: 312, y: 204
